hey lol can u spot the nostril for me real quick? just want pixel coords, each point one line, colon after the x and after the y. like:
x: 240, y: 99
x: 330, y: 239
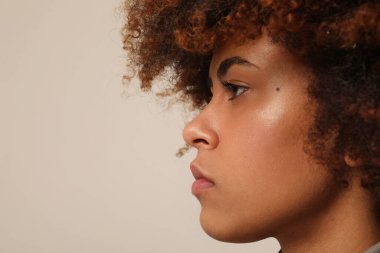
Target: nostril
x: 196, y: 141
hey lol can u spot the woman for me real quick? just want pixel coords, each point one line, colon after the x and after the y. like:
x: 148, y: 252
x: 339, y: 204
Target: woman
x: 288, y: 133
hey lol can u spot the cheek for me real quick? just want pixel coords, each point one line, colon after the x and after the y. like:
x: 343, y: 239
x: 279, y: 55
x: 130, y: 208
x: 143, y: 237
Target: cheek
x: 269, y: 139
x: 267, y: 162
x: 266, y: 144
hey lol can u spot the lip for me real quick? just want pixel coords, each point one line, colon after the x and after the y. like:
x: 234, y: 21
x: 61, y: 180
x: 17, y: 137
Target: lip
x: 202, y: 182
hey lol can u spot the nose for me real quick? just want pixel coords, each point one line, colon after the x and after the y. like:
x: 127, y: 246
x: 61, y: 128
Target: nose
x: 200, y: 132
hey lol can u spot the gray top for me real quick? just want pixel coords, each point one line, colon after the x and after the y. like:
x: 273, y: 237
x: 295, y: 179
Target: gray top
x: 374, y: 249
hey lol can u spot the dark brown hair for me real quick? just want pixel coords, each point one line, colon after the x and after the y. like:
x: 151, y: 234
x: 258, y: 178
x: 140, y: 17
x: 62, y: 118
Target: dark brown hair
x: 338, y: 40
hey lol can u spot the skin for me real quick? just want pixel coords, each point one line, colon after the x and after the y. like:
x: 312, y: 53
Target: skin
x: 252, y: 148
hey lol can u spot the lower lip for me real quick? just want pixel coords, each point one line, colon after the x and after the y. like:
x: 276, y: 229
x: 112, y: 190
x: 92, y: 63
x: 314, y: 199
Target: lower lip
x: 201, y: 185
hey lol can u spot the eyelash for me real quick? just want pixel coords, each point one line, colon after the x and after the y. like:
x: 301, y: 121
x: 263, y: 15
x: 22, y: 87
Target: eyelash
x: 233, y: 88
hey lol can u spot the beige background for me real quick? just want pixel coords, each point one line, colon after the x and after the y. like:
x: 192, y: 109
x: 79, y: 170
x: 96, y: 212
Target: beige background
x: 84, y: 168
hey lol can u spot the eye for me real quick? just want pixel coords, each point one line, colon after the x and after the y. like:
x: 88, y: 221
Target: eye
x: 236, y: 90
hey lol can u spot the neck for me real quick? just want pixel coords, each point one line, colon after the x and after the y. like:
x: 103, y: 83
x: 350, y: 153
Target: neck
x: 348, y: 224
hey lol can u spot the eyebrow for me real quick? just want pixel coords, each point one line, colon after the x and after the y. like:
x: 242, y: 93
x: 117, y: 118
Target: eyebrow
x: 226, y: 64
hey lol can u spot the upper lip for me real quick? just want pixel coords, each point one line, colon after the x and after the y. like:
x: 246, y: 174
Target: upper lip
x: 197, y: 173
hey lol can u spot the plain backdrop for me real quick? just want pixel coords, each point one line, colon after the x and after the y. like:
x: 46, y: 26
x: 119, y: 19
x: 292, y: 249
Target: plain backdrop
x: 84, y: 166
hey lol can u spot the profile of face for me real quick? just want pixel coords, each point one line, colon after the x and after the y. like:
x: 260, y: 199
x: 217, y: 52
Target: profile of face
x: 250, y: 142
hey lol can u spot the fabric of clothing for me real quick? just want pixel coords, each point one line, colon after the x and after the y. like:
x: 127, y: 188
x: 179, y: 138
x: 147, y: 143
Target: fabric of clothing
x: 373, y: 249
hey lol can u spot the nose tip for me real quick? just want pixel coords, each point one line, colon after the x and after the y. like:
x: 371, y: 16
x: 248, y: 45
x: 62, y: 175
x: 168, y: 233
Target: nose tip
x: 198, y: 134
x: 186, y: 134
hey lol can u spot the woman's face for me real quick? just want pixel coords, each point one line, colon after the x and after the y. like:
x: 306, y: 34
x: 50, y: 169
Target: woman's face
x: 250, y: 145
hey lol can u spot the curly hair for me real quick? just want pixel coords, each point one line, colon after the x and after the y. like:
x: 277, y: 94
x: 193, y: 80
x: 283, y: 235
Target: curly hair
x: 338, y: 40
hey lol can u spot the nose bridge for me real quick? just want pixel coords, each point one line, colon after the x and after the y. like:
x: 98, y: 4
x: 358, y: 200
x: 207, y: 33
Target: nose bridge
x: 200, y: 132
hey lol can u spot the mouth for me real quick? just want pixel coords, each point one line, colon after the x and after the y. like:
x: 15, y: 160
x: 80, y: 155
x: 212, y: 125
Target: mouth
x: 202, y: 182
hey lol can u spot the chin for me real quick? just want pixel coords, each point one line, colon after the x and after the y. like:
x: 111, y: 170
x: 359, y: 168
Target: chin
x: 225, y: 230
